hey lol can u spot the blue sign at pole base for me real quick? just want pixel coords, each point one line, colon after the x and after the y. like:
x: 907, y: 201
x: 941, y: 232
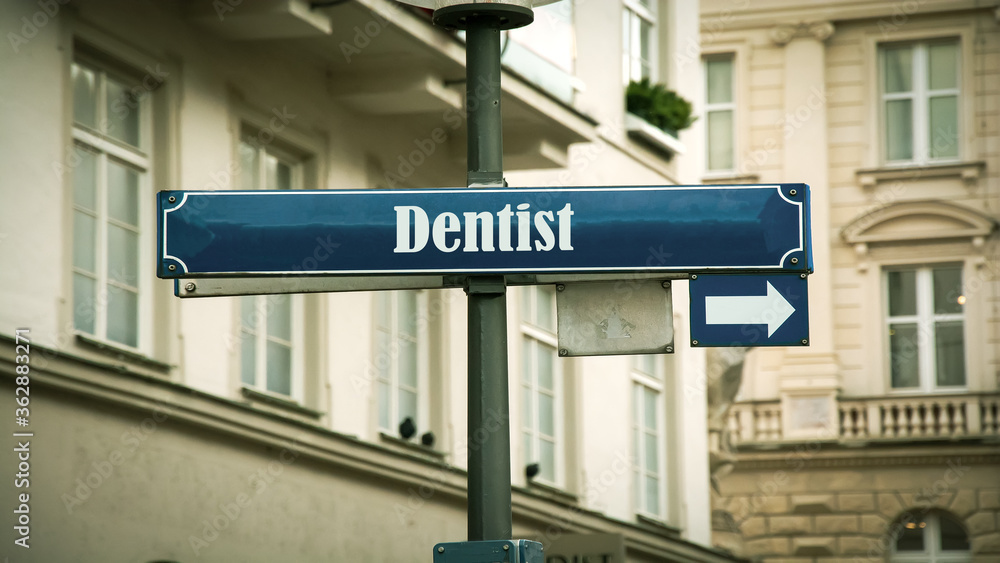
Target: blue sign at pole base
x: 749, y: 310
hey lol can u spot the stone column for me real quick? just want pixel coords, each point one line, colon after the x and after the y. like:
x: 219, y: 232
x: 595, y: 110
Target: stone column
x: 809, y: 378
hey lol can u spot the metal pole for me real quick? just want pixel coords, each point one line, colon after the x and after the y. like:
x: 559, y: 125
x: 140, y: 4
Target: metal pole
x: 489, y: 412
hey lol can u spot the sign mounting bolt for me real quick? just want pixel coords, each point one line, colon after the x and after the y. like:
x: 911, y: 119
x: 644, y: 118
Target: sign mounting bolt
x: 189, y: 286
x: 805, y: 341
x: 665, y: 284
x: 803, y: 276
x: 440, y: 549
x: 171, y: 267
x: 694, y: 276
x: 669, y: 350
x: 563, y: 352
x: 793, y: 192
x: 560, y: 287
x: 694, y: 342
x: 795, y: 260
x: 506, y: 547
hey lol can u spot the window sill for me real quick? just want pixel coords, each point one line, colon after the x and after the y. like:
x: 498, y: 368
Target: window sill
x: 411, y: 446
x: 969, y: 172
x: 550, y: 492
x: 279, y: 401
x: 660, y: 525
x: 652, y: 136
x: 729, y: 178
x: 121, y: 353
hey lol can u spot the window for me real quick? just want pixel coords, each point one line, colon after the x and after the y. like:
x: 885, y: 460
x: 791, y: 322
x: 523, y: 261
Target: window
x: 925, y: 324
x: 269, y: 358
x: 401, y: 360
x: 639, y: 40
x: 541, y: 384
x: 647, y: 436
x: 929, y: 538
x: 920, y: 101
x: 270, y: 325
x: 544, y: 52
x: 111, y: 188
x: 720, y: 110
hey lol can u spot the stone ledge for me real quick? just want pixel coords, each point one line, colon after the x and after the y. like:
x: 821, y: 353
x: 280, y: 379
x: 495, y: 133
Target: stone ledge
x: 768, y: 546
x: 814, y: 546
x: 969, y: 172
x: 789, y: 525
x: 812, y: 504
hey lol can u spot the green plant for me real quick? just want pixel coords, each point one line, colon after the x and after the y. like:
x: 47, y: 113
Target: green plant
x: 658, y: 105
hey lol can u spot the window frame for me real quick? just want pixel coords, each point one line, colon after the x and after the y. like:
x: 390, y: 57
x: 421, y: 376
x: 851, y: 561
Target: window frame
x: 932, y: 552
x: 422, y: 342
x: 261, y: 337
x: 105, y: 148
x: 731, y: 106
x: 643, y: 381
x: 920, y: 95
x: 634, y: 13
x: 533, y: 338
x: 925, y: 319
x: 280, y: 150
x: 874, y: 156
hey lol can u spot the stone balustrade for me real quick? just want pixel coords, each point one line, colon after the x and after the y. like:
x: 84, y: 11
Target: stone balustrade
x: 904, y: 417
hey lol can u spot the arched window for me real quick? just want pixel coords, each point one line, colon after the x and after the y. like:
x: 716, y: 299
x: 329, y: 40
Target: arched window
x: 931, y: 537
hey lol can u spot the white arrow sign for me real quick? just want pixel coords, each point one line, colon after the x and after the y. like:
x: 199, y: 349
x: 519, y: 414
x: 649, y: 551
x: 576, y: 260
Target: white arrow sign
x: 771, y: 309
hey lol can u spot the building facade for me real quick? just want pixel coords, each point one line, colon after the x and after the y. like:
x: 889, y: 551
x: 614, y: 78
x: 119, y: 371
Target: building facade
x: 315, y: 426
x: 879, y: 441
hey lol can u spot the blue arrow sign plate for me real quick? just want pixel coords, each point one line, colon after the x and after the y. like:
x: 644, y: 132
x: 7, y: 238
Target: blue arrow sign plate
x: 749, y: 310
x: 761, y: 228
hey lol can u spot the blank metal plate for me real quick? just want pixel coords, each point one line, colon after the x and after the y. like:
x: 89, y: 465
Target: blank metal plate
x: 623, y: 317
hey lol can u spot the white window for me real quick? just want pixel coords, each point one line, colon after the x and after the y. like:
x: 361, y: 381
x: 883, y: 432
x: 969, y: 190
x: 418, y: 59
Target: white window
x: 270, y: 354
x: 401, y: 360
x: 270, y: 325
x: 111, y: 196
x: 920, y: 101
x: 544, y: 52
x: 720, y: 111
x: 639, y: 40
x: 541, y: 385
x: 925, y: 322
x: 929, y: 538
x: 648, y: 451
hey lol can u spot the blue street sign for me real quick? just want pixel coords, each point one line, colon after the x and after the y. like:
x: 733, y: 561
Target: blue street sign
x: 749, y: 310
x: 762, y: 228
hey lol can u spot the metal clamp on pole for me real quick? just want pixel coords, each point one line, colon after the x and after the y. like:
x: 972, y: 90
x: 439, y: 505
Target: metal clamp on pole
x: 502, y: 551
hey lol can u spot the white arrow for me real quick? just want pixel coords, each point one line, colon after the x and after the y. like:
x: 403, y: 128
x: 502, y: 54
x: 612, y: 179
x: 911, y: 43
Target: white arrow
x: 771, y: 309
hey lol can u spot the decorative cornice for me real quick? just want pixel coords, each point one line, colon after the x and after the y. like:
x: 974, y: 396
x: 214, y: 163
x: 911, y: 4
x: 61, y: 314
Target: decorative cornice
x: 965, y: 223
x: 747, y: 461
x: 783, y: 34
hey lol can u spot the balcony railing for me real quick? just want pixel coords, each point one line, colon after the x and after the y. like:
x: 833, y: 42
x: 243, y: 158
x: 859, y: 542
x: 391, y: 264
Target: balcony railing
x: 914, y: 417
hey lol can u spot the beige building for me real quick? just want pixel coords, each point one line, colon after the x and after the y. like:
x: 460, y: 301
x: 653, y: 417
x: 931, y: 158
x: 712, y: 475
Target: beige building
x: 881, y: 440
x: 325, y: 426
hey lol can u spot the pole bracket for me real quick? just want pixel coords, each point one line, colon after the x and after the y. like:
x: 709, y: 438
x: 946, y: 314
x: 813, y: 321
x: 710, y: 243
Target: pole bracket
x: 506, y: 16
x: 485, y: 285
